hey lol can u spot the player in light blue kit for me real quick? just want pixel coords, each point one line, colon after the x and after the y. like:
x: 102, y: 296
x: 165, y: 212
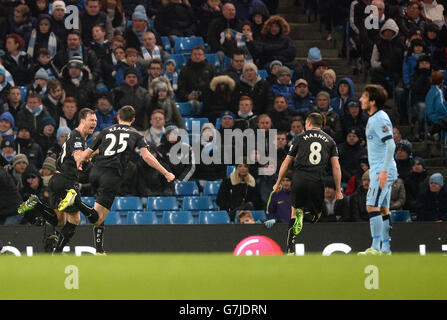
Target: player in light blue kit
x: 382, y: 171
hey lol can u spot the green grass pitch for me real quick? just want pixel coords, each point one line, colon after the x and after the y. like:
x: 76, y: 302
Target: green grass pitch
x: 223, y: 277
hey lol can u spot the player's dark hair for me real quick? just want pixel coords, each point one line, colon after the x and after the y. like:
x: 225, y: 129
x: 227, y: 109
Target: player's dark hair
x: 378, y: 94
x: 126, y: 113
x: 84, y: 112
x: 316, y: 119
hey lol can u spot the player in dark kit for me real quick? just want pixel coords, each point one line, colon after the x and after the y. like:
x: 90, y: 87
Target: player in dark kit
x: 66, y: 177
x: 115, y: 145
x: 311, y: 152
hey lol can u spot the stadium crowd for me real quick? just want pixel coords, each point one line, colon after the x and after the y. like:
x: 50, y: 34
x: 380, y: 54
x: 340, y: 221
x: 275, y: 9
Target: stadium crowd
x: 243, y: 76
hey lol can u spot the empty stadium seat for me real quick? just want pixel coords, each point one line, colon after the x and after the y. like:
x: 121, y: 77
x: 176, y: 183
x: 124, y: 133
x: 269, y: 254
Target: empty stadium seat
x: 186, y: 109
x: 179, y: 59
x: 186, y: 188
x: 230, y: 169
x: 142, y: 218
x: 214, y: 217
x: 127, y: 204
x: 161, y: 204
x: 115, y: 217
x: 263, y: 74
x: 188, y: 123
x: 400, y: 216
x: 23, y: 91
x: 218, y: 123
x: 184, y: 45
x: 213, y: 59
x: 166, y: 44
x: 178, y: 217
x: 197, y: 203
x: 211, y: 188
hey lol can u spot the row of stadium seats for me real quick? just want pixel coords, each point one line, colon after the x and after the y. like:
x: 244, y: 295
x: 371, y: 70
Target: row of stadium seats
x: 187, y: 203
x: 170, y: 217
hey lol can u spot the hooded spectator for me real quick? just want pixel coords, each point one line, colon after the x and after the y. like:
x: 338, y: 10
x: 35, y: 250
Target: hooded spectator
x: 7, y: 124
x: 47, y: 135
x: 7, y: 147
x: 387, y: 56
x: 354, y: 118
x: 404, y: 157
x: 350, y: 152
x: 275, y: 43
x: 218, y: 98
x: 43, y: 37
x: 345, y: 92
x: 163, y: 98
x: 415, y: 183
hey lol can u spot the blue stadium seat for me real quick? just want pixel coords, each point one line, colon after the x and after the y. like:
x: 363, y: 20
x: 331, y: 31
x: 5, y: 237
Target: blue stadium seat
x: 186, y: 188
x: 186, y: 109
x: 179, y: 59
x: 258, y: 215
x: 400, y: 216
x: 142, y: 218
x: 184, y: 45
x: 230, y: 169
x: 263, y: 73
x: 23, y: 91
x: 218, y: 123
x: 178, y: 217
x: 227, y: 62
x: 84, y: 220
x: 161, y: 204
x: 213, y: 59
x: 211, y: 188
x: 90, y: 201
x: 115, y: 217
x: 127, y: 204
x: 199, y: 203
x: 214, y: 217
x: 166, y: 44
x: 188, y: 123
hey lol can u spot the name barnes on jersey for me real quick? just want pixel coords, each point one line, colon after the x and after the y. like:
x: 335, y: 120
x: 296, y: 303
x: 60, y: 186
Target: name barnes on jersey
x: 308, y: 135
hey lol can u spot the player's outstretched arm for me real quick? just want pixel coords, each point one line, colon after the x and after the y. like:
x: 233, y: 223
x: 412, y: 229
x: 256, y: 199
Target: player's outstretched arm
x: 153, y: 162
x: 282, y: 172
x: 336, y: 173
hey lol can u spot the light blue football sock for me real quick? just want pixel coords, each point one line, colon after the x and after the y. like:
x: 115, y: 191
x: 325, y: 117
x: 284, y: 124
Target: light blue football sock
x: 386, y: 239
x: 376, y: 226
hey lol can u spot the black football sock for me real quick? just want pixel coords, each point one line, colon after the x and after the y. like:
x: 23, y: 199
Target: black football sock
x: 99, y: 238
x: 291, y: 237
x: 47, y: 213
x: 65, y: 236
x: 90, y: 213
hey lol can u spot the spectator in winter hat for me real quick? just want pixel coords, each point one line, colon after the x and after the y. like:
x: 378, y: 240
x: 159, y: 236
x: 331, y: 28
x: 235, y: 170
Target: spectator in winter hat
x: 432, y: 202
x: 403, y: 160
x: 7, y: 148
x: 7, y: 124
x: 139, y: 25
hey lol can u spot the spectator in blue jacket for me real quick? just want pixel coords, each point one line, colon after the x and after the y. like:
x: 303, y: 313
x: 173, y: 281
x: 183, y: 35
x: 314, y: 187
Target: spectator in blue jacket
x: 302, y: 100
x: 435, y: 104
x: 284, y: 85
x: 345, y: 92
x: 106, y: 114
x: 432, y: 202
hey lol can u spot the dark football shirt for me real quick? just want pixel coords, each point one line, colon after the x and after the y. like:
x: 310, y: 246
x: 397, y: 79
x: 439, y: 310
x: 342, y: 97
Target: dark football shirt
x: 66, y: 163
x: 115, y: 144
x: 312, y: 150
